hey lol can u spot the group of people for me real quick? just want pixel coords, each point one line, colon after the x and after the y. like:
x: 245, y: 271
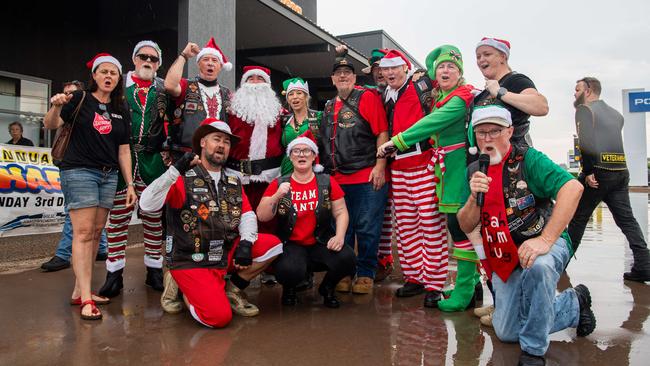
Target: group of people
x: 246, y: 185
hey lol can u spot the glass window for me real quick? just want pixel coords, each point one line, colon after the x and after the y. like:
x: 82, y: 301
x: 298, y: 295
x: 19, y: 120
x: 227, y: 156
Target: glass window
x: 24, y: 99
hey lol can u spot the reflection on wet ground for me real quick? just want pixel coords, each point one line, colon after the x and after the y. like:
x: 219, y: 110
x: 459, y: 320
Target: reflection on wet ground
x: 40, y: 328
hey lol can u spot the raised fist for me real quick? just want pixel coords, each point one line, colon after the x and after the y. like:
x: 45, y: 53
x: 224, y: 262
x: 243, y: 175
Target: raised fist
x: 60, y: 99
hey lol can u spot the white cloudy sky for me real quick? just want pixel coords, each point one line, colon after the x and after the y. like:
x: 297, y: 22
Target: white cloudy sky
x: 553, y: 42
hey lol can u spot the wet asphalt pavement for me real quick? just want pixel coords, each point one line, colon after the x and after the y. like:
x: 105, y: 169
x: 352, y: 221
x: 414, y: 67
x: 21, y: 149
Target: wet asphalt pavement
x: 40, y: 328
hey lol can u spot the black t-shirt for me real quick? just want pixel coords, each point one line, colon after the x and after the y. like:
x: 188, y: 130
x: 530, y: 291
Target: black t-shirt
x: 97, y: 134
x: 23, y: 142
x: 515, y: 83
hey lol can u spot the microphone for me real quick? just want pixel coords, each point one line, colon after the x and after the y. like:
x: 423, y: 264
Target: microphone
x: 483, y: 164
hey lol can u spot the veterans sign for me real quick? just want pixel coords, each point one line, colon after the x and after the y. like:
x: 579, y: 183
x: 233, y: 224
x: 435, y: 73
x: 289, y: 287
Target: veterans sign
x: 31, y: 201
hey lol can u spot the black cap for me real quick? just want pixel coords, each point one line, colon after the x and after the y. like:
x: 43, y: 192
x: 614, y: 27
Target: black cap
x: 342, y: 62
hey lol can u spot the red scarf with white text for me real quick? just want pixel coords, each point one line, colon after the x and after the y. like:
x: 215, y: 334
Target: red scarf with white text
x: 499, y: 247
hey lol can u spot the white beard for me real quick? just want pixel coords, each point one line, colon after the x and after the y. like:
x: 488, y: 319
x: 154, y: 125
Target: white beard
x: 257, y: 105
x: 145, y: 73
x: 495, y: 157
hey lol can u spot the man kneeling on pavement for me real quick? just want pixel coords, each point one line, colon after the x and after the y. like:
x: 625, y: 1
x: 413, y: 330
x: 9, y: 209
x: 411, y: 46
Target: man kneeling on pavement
x: 524, y: 236
x: 211, y: 231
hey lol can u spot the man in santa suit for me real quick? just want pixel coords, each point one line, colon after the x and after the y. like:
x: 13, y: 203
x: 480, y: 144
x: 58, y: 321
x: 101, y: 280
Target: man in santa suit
x: 255, y: 117
x: 197, y: 98
x: 421, y: 241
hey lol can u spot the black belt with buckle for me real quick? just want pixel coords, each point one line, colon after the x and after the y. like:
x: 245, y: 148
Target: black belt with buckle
x: 254, y: 167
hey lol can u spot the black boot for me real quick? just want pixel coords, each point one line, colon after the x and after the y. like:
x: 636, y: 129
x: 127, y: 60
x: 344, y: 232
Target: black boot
x: 289, y: 297
x: 307, y: 283
x: 431, y: 299
x: 586, y: 320
x: 329, y: 297
x: 155, y: 278
x: 637, y: 276
x: 526, y: 359
x: 410, y: 289
x: 114, y: 283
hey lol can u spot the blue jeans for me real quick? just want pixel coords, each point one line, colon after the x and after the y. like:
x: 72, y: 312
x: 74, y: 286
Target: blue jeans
x: 527, y: 309
x: 88, y: 187
x: 64, y: 250
x: 366, y: 210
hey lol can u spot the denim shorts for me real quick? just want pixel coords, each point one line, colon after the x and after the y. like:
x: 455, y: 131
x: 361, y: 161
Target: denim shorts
x: 88, y: 187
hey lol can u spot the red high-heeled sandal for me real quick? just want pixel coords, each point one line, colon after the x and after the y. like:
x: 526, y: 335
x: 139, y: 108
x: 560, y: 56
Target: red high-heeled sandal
x: 95, y: 313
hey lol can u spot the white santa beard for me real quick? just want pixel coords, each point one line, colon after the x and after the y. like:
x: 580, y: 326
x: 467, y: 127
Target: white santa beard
x: 257, y: 105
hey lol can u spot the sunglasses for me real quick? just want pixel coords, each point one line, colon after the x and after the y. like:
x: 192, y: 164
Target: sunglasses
x: 149, y: 58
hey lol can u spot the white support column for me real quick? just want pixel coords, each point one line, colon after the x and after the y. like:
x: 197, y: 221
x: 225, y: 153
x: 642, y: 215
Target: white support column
x: 634, y: 142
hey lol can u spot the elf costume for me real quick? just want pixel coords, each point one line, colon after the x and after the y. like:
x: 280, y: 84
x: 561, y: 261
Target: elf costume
x: 147, y: 102
x: 446, y: 126
x: 291, y: 129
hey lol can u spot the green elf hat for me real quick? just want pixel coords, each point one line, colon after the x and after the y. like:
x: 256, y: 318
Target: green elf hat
x: 375, y: 56
x: 442, y: 54
x: 294, y: 84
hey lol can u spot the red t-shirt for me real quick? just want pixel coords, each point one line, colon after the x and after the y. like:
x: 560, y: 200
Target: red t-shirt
x: 305, y: 200
x: 372, y: 110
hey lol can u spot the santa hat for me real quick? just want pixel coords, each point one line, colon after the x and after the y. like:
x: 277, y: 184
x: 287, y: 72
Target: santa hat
x: 499, y: 44
x: 295, y: 84
x: 208, y: 126
x: 211, y: 48
x: 261, y: 71
x: 308, y: 139
x: 101, y: 58
x: 151, y: 44
x: 394, y: 58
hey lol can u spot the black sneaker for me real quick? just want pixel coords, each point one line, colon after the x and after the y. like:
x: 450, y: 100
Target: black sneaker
x: 114, y: 283
x: 526, y: 359
x: 55, y: 264
x: 587, y: 320
x: 100, y: 257
x: 431, y: 299
x: 155, y: 279
x: 409, y: 289
x: 637, y: 276
x: 307, y: 283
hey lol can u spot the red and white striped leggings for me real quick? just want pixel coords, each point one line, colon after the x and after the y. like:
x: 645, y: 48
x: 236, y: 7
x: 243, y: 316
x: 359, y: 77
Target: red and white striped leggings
x: 421, y: 228
x: 118, y: 227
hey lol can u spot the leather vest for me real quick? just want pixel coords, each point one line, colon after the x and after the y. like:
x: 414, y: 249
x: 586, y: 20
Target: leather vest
x: 527, y: 214
x: 201, y: 233
x: 287, y: 214
x: 154, y: 137
x: 349, y: 144
x: 312, y: 120
x: 189, y: 115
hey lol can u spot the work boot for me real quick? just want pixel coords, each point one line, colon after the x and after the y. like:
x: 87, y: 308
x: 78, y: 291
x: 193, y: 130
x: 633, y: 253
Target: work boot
x: 633, y: 275
x: 432, y: 299
x: 586, y: 320
x: 345, y: 285
x: 487, y: 320
x: 463, y: 294
x: 238, y: 301
x: 289, y: 297
x: 526, y: 359
x: 329, y: 296
x: 55, y: 264
x: 383, y: 271
x: 170, y: 300
x: 363, y: 285
x: 155, y: 278
x: 410, y: 289
x: 483, y: 311
x: 114, y: 283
